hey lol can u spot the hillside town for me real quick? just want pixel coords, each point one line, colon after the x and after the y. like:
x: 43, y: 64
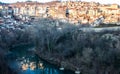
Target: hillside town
x: 71, y: 11
x: 59, y: 37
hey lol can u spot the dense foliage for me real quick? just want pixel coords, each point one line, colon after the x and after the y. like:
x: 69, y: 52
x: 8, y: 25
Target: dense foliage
x: 10, y: 37
x: 91, y: 52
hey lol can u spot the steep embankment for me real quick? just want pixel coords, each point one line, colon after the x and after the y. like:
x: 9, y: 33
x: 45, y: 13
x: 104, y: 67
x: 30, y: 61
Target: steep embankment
x: 94, y: 51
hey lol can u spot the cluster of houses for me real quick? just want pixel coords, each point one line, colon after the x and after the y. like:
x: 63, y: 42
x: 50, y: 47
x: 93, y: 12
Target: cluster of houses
x: 72, y: 11
x: 86, y: 12
x: 9, y: 21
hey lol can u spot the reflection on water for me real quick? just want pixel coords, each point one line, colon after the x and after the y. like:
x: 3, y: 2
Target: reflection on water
x: 32, y: 66
x: 28, y: 63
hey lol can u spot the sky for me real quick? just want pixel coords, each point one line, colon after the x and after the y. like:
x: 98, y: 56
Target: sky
x: 100, y: 1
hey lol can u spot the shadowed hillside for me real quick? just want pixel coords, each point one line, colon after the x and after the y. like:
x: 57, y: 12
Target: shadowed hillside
x: 65, y: 44
x: 91, y: 52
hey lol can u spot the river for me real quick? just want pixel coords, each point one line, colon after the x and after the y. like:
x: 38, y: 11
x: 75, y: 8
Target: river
x: 26, y: 62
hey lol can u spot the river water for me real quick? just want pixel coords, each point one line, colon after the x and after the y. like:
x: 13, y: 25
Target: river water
x: 26, y: 62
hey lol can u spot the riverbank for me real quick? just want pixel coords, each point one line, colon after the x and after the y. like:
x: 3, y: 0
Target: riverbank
x: 25, y: 56
x: 55, y: 60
